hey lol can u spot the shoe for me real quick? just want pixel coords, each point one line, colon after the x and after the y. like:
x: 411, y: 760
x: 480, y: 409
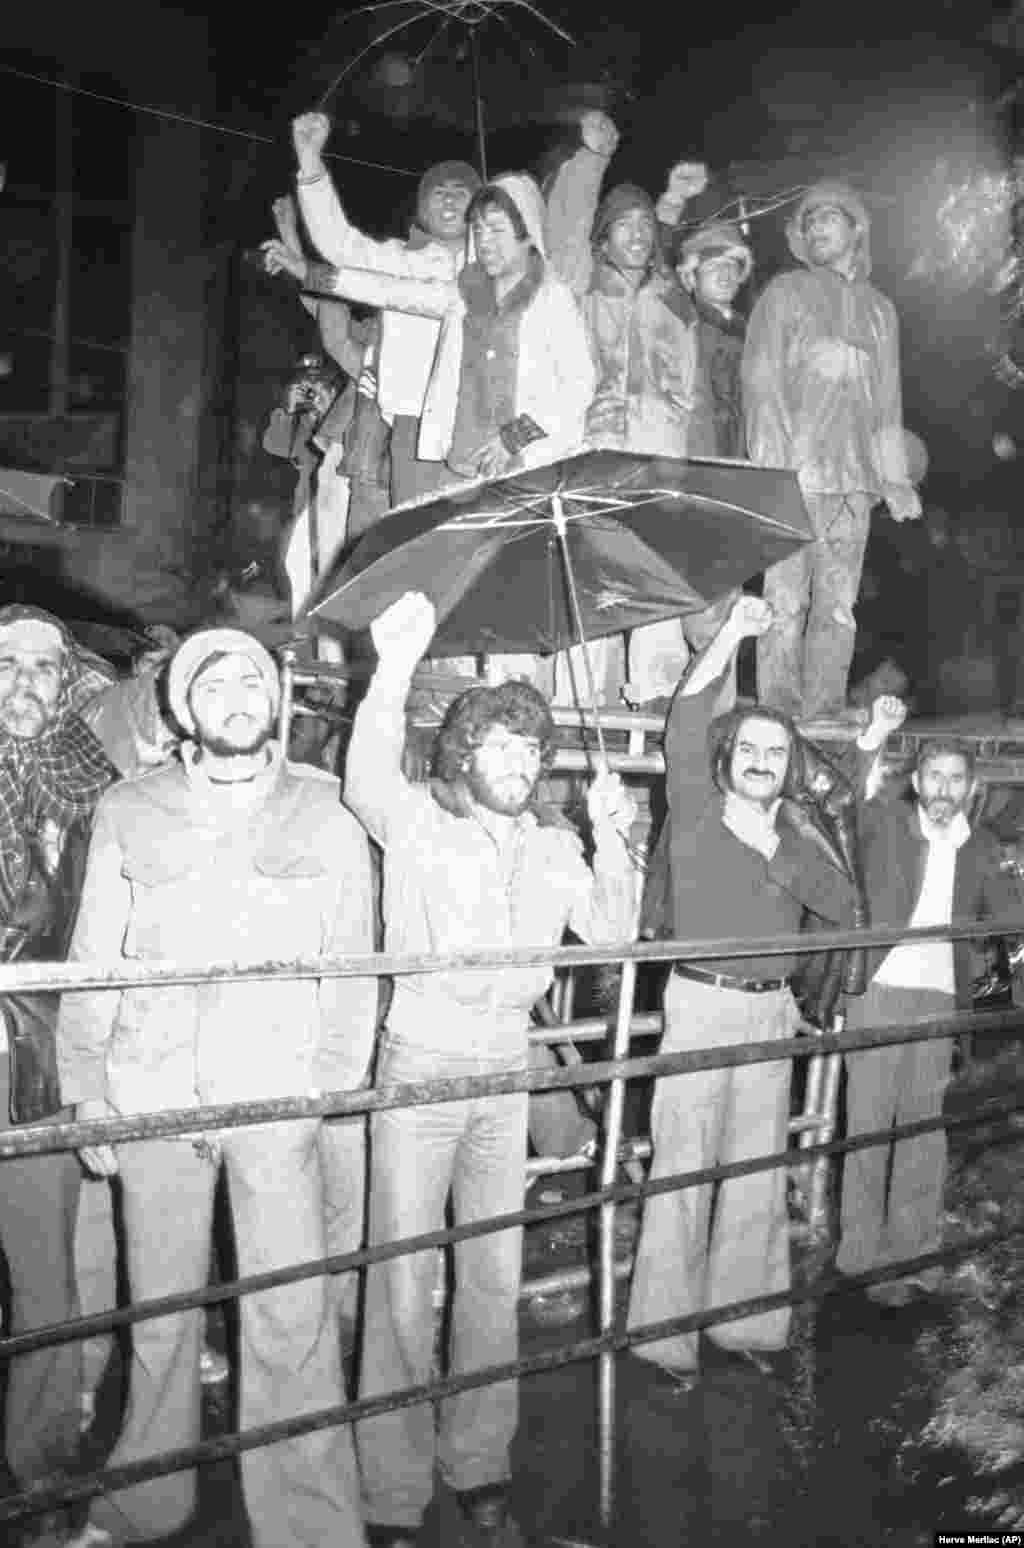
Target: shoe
x: 891, y: 1293
x: 391, y: 1536
x: 487, y: 1521
x: 213, y: 1367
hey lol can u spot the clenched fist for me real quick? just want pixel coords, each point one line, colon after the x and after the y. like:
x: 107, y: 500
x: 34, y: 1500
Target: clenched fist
x: 598, y: 133
x: 402, y: 632
x: 310, y: 133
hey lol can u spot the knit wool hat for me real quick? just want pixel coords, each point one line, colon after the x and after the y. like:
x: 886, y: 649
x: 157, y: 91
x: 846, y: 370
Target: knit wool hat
x: 718, y: 239
x: 619, y: 201
x: 196, y: 650
x: 445, y: 172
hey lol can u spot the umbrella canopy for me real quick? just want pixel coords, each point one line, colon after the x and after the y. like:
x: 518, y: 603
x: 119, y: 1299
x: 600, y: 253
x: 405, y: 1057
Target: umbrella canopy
x: 646, y: 538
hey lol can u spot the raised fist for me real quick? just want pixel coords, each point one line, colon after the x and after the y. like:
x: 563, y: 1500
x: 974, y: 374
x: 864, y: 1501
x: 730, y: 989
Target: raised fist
x: 402, y: 632
x: 887, y: 714
x: 686, y: 180
x: 310, y: 132
x: 750, y: 617
x: 598, y: 133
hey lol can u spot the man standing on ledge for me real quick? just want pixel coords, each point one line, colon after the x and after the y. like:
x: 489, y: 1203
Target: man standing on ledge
x: 821, y: 388
x: 468, y: 866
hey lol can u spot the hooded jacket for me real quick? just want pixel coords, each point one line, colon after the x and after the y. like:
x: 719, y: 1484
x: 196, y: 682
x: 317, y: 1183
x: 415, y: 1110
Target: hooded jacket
x: 554, y: 379
x: 408, y: 342
x: 821, y: 369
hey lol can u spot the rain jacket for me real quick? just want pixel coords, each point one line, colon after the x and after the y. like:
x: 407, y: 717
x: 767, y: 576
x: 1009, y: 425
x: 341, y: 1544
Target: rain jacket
x: 555, y: 373
x: 408, y: 341
x: 650, y: 395
x: 174, y: 877
x: 445, y: 891
x: 720, y: 354
x: 644, y: 344
x: 821, y: 371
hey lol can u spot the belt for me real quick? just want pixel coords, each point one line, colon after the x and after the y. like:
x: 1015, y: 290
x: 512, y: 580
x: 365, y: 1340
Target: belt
x: 726, y: 980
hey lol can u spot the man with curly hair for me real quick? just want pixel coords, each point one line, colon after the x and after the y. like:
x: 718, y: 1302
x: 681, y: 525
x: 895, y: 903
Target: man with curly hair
x: 468, y: 865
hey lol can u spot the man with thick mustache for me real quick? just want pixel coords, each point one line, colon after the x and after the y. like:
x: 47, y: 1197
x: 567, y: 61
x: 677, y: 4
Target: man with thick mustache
x: 924, y: 864
x: 229, y: 855
x: 743, y: 862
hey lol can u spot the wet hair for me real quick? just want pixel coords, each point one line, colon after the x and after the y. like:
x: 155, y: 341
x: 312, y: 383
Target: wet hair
x: 493, y: 197
x: 517, y: 706
x: 722, y: 743
x: 945, y: 747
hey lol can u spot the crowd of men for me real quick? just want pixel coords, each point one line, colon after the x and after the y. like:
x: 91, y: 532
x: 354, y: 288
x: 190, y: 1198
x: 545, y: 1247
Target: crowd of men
x: 485, y: 360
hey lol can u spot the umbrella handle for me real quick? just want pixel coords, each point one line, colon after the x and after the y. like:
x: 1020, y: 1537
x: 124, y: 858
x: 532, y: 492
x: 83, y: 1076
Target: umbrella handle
x: 577, y: 619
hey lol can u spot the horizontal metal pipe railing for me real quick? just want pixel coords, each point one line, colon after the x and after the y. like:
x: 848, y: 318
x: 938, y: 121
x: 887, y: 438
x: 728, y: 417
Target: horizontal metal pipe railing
x: 39, y: 1139
x: 201, y: 1120
x: 620, y: 1193
x: 72, y: 976
x: 49, y: 1493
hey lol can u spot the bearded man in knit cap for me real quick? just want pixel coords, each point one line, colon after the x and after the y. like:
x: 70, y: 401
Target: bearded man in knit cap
x: 52, y: 773
x: 821, y: 388
x: 436, y: 250
x: 230, y: 854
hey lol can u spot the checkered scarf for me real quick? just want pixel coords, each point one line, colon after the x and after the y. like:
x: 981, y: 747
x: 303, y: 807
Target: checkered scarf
x: 59, y: 775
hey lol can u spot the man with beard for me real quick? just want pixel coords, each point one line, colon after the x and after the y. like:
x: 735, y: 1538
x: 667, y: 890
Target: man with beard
x: 924, y: 864
x: 229, y: 855
x: 468, y: 865
x: 52, y: 773
x: 744, y: 860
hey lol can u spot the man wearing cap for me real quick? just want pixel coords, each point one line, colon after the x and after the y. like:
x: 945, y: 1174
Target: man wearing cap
x: 714, y: 263
x: 229, y: 855
x: 52, y: 773
x: 821, y: 387
x: 436, y: 250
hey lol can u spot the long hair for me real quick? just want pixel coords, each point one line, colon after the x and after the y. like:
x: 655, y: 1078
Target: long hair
x: 516, y: 705
x: 722, y: 736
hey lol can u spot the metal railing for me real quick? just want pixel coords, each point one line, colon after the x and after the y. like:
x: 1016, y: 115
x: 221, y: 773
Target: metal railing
x: 613, y: 1073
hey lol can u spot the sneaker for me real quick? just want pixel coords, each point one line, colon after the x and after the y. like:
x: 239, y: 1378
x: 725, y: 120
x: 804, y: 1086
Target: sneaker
x: 213, y: 1366
x: 486, y: 1519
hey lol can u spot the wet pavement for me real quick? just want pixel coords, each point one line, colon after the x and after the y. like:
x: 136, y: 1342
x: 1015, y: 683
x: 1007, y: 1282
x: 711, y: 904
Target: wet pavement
x: 876, y: 1426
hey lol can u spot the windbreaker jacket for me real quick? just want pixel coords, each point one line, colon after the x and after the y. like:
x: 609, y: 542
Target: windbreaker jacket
x: 172, y: 878
x: 408, y: 342
x: 821, y: 377
x: 644, y: 344
x: 555, y: 381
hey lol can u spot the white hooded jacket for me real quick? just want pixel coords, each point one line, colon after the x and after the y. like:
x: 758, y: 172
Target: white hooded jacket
x: 555, y: 381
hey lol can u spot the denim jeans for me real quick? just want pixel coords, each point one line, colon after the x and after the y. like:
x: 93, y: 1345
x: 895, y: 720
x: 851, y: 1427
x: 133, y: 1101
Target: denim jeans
x: 476, y: 1150
x: 687, y: 1262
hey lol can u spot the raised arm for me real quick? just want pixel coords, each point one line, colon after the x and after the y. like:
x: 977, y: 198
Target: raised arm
x: 330, y: 230
x: 572, y: 202
x: 376, y: 790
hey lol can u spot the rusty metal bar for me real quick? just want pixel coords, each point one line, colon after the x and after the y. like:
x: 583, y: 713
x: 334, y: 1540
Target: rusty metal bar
x: 48, y: 1493
x: 42, y: 1139
x: 103, y: 1322
x: 66, y: 976
x: 606, y: 1248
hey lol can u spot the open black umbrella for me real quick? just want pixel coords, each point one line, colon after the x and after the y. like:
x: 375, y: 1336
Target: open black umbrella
x: 593, y: 544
